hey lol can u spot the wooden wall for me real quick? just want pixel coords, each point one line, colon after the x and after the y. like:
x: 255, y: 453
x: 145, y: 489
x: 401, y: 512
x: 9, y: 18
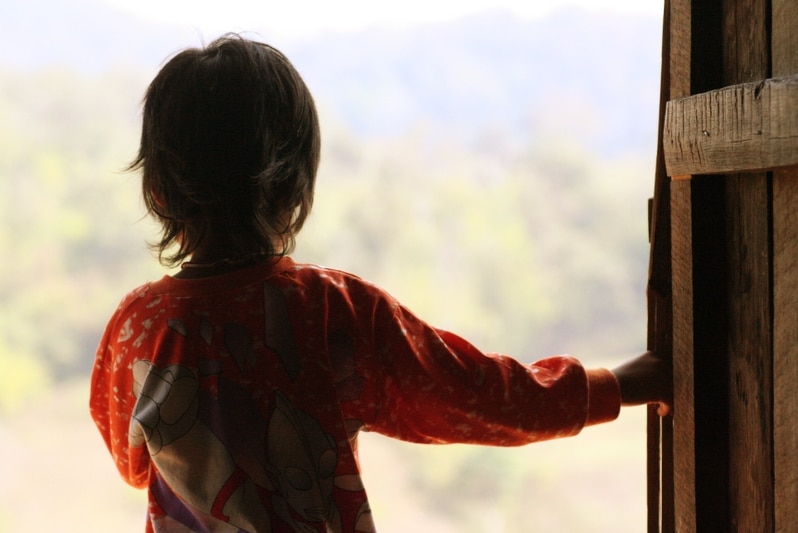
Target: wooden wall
x: 724, y: 269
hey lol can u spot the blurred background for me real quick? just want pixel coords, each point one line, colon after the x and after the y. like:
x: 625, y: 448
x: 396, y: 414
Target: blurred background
x: 488, y: 164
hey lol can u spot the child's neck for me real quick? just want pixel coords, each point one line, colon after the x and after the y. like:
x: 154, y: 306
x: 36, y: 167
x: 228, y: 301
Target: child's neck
x: 215, y: 260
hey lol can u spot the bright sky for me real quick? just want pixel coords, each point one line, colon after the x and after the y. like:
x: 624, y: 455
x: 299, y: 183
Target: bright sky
x: 301, y: 17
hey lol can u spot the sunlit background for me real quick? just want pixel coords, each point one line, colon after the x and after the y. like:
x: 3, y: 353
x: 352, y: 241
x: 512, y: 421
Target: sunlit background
x: 488, y: 162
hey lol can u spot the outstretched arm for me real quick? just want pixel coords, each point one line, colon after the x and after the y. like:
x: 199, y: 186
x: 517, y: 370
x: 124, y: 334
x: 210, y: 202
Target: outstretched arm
x: 646, y: 379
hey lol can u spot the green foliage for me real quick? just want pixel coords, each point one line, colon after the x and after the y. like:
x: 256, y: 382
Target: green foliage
x: 66, y: 213
x: 24, y: 377
x: 533, y: 252
x: 524, y: 248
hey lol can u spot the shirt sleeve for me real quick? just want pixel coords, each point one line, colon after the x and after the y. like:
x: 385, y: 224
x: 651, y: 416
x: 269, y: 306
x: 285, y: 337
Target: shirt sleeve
x: 112, y: 400
x: 433, y: 386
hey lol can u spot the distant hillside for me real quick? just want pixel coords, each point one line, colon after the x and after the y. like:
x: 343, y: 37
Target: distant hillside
x: 81, y: 34
x: 593, y: 78
x: 586, y: 77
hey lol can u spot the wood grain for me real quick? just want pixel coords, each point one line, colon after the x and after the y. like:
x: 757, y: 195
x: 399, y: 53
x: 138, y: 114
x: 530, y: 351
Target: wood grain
x: 749, y: 354
x: 684, y: 380
x: 675, y: 82
x: 785, y: 292
x: 785, y: 349
x: 785, y: 38
x: 741, y: 128
x: 758, y: 117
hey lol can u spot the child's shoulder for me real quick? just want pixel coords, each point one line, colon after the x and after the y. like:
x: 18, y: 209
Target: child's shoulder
x: 328, y: 275
x: 135, y: 294
x: 329, y: 278
x: 313, y: 269
x: 128, y: 306
x: 133, y: 298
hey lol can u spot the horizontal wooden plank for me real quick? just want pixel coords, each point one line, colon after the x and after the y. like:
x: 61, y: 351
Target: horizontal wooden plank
x: 740, y: 128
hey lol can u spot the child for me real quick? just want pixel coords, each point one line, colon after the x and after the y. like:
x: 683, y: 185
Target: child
x: 234, y: 391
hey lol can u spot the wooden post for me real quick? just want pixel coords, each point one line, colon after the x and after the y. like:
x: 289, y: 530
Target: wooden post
x: 785, y: 349
x: 734, y: 262
x: 683, y: 440
x: 746, y: 58
x: 784, y: 50
x: 660, y: 315
x: 675, y: 83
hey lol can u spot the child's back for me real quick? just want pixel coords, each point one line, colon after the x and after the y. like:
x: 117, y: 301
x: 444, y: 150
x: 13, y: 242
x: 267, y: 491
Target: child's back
x: 234, y: 391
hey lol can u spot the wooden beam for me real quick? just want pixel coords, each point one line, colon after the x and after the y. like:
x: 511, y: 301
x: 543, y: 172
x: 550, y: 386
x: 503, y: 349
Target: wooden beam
x: 755, y: 125
x: 674, y: 82
x: 683, y: 443
x: 784, y: 48
x: 785, y: 348
x: 741, y: 128
x: 784, y: 43
x: 750, y: 353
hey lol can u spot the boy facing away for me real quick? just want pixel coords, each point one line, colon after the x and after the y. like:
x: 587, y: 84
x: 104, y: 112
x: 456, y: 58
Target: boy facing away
x: 234, y: 391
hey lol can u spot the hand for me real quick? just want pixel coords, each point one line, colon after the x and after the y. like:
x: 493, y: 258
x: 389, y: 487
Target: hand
x: 646, y: 379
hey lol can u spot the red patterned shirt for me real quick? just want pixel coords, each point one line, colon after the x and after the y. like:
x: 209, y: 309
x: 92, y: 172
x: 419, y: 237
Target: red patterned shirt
x: 236, y: 400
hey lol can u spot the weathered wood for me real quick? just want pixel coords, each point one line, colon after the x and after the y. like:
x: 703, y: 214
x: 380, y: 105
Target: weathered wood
x: 785, y: 348
x: 683, y: 443
x: 734, y: 262
x: 784, y: 44
x: 749, y: 354
x: 700, y: 436
x: 675, y: 81
x: 746, y: 44
x: 746, y: 58
x: 740, y: 128
x: 680, y: 35
x: 785, y: 293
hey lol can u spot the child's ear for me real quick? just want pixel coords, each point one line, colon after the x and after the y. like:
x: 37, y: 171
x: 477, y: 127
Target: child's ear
x: 157, y: 199
x: 158, y: 203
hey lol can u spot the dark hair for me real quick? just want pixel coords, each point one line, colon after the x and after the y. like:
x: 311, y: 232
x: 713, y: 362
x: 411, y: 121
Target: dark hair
x: 230, y: 146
